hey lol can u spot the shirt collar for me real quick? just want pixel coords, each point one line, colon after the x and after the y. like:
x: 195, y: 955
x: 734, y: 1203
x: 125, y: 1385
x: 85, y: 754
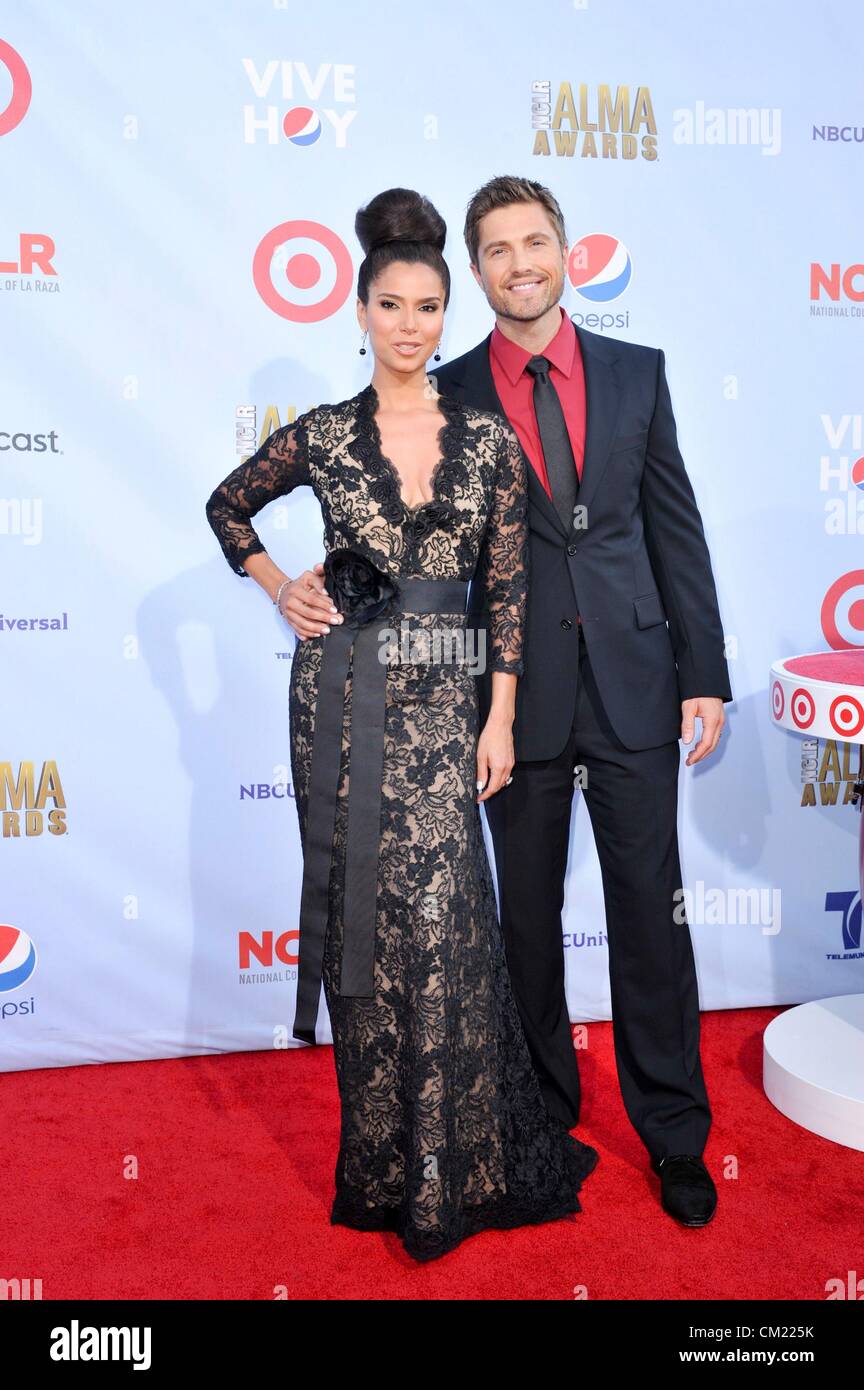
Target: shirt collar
x: 512, y: 358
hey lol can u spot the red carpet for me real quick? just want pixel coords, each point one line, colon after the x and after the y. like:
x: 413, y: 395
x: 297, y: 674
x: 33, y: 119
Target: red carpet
x: 235, y: 1157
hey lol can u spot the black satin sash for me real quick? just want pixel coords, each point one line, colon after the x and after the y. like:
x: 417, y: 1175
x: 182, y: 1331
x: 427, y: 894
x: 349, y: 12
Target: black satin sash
x: 368, y: 712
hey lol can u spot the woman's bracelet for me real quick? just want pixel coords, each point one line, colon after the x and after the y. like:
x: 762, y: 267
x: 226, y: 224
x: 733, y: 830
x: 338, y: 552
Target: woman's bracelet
x: 279, y: 591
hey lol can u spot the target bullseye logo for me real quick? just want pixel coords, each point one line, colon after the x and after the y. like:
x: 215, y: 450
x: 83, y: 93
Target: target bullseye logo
x: 301, y: 125
x: 22, y: 88
x: 778, y: 702
x: 843, y: 612
x: 302, y: 271
x: 846, y: 715
x: 599, y: 267
x: 803, y: 708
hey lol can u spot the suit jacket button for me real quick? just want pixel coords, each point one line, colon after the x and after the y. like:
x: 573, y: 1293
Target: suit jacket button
x: 566, y: 624
x: 571, y: 549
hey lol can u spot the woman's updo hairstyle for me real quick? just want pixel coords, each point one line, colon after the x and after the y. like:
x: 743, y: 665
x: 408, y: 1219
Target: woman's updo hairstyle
x: 400, y: 225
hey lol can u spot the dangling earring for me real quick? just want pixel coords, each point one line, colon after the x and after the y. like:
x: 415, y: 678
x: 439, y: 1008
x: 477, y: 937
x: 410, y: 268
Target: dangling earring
x: 362, y: 348
x: 437, y: 354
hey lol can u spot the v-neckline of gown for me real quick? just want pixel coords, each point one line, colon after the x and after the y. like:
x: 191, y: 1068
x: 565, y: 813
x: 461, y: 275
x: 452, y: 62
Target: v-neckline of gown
x: 390, y: 466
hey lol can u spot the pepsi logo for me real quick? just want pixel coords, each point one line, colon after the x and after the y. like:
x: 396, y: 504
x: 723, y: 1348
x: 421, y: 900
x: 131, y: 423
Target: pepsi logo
x: 17, y: 958
x: 599, y: 267
x: 301, y: 125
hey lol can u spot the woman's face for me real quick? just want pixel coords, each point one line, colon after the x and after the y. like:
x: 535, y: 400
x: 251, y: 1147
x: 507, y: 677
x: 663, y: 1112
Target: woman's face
x: 405, y: 315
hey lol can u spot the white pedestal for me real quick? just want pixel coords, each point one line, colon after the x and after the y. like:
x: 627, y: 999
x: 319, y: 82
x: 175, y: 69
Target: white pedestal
x: 813, y: 1067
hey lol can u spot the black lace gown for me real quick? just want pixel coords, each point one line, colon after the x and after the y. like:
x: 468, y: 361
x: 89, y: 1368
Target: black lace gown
x: 444, y: 1130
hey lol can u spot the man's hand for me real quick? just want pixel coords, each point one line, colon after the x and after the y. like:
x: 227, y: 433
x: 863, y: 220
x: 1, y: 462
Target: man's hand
x: 708, y: 708
x: 307, y: 606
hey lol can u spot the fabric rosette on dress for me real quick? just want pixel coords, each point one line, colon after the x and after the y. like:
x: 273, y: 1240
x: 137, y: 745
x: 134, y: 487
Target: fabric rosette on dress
x: 359, y: 589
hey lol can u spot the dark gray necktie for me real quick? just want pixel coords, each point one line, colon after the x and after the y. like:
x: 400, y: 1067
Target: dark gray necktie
x: 557, y: 450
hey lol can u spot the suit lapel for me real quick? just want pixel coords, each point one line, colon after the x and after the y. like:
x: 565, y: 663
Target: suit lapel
x: 603, y: 401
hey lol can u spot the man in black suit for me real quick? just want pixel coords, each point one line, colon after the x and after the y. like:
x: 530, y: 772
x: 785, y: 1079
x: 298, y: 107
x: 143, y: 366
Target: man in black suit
x: 623, y: 651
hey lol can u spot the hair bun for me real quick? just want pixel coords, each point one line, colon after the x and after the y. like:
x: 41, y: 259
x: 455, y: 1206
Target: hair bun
x: 399, y: 214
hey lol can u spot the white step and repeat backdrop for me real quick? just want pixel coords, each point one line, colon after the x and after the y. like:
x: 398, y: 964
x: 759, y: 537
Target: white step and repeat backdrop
x: 178, y: 277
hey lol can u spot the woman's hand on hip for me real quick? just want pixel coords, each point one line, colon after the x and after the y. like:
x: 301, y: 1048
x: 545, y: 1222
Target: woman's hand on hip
x: 306, y: 606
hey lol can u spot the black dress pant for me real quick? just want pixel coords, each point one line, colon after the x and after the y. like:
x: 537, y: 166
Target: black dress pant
x: 632, y: 800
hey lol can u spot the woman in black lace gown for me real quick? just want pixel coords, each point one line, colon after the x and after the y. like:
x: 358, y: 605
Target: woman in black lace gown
x: 444, y: 1129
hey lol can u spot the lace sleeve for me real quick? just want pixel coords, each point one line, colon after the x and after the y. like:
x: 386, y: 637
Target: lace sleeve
x: 505, y: 577
x: 280, y: 465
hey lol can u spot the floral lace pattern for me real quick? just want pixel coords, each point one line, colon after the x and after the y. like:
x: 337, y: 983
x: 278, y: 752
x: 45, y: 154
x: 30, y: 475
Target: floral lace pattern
x: 444, y: 1130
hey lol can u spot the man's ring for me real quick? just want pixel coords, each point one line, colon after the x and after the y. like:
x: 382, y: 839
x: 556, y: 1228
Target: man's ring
x: 509, y: 780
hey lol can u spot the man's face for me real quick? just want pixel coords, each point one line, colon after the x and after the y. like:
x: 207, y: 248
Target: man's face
x: 521, y: 263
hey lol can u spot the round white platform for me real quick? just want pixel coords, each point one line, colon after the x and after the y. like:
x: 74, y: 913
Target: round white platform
x: 813, y: 1067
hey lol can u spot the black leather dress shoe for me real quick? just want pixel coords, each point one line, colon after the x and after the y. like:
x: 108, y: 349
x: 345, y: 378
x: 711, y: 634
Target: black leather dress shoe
x: 687, y: 1191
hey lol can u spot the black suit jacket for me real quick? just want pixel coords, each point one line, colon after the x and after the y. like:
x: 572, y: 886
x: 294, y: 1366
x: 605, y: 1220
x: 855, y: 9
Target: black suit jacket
x: 634, y: 566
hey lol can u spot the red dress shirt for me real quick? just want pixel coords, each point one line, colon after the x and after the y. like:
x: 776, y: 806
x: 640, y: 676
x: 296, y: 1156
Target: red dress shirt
x: 515, y: 387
